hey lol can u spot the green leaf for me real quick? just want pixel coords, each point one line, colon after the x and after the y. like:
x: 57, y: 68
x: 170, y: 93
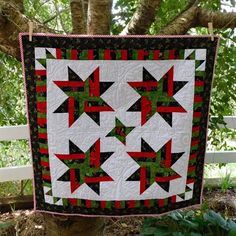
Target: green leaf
x: 177, y: 234
x: 176, y: 215
x: 232, y: 232
x: 215, y: 219
x: 195, y: 234
x: 231, y: 225
x: 190, y: 224
x: 149, y: 231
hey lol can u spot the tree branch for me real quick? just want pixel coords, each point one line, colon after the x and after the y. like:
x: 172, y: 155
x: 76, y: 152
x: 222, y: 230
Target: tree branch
x: 99, y: 16
x: 60, y: 17
x: 12, y: 22
x: 77, y: 14
x: 143, y: 17
x: 220, y: 20
x: 195, y: 16
x: 55, y: 16
x: 182, y: 22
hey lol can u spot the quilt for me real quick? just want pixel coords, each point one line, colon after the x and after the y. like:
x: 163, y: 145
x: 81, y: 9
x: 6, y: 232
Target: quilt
x: 118, y: 125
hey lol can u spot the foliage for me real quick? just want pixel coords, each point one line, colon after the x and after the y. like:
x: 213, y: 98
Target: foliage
x: 12, y: 110
x: 223, y: 99
x: 226, y: 182
x: 189, y: 224
x: 12, y: 101
x: 13, y: 153
x: 167, y: 13
x: 55, y: 14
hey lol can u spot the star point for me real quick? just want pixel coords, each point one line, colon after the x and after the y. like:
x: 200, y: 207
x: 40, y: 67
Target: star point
x: 84, y: 167
x: 157, y: 96
x: 83, y: 96
x: 120, y: 131
x: 155, y: 167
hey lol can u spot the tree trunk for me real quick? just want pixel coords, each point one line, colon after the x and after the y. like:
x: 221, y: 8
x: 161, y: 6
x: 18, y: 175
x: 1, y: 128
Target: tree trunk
x: 73, y: 226
x: 98, y: 15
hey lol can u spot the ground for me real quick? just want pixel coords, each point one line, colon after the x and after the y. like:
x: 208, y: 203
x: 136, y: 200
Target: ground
x: 28, y: 223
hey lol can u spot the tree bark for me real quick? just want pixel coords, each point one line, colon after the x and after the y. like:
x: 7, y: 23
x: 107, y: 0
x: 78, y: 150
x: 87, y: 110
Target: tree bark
x: 19, y: 4
x: 199, y: 17
x: 143, y: 17
x: 72, y: 226
x: 99, y: 16
x: 12, y: 22
x: 180, y: 25
x: 78, y: 18
x: 221, y: 20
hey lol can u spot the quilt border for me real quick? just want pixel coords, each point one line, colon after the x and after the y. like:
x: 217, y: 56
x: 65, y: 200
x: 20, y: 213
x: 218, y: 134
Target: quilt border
x: 181, y: 42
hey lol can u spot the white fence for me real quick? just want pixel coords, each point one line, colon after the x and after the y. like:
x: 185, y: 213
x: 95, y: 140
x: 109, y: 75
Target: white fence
x: 9, y: 133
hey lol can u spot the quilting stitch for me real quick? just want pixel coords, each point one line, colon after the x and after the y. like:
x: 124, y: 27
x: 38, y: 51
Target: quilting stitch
x: 126, y: 134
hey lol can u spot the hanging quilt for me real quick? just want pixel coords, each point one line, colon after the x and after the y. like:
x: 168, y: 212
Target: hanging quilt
x: 117, y: 124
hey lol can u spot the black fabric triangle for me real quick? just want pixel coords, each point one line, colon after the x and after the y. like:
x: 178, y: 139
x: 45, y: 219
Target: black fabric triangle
x: 136, y: 106
x: 95, y: 187
x: 49, y: 55
x: 73, y: 76
x: 179, y: 85
x: 94, y: 116
x: 164, y: 185
x: 135, y: 176
x: 77, y: 112
x: 174, y: 104
x: 56, y: 199
x: 145, y: 146
x: 42, y: 61
x: 187, y: 189
x: 63, y: 108
x: 191, y: 56
x: 160, y: 104
x: 104, y: 156
x: 167, y: 116
x: 65, y: 176
x: 163, y: 155
x: 73, y: 148
x: 165, y: 83
x: 182, y: 195
x: 175, y: 157
x: 91, y: 76
x: 147, y: 76
x: 198, y: 63
x: 104, y: 86
x: 165, y: 80
x: 49, y: 193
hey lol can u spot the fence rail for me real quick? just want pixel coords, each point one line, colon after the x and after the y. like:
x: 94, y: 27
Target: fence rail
x: 8, y: 133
